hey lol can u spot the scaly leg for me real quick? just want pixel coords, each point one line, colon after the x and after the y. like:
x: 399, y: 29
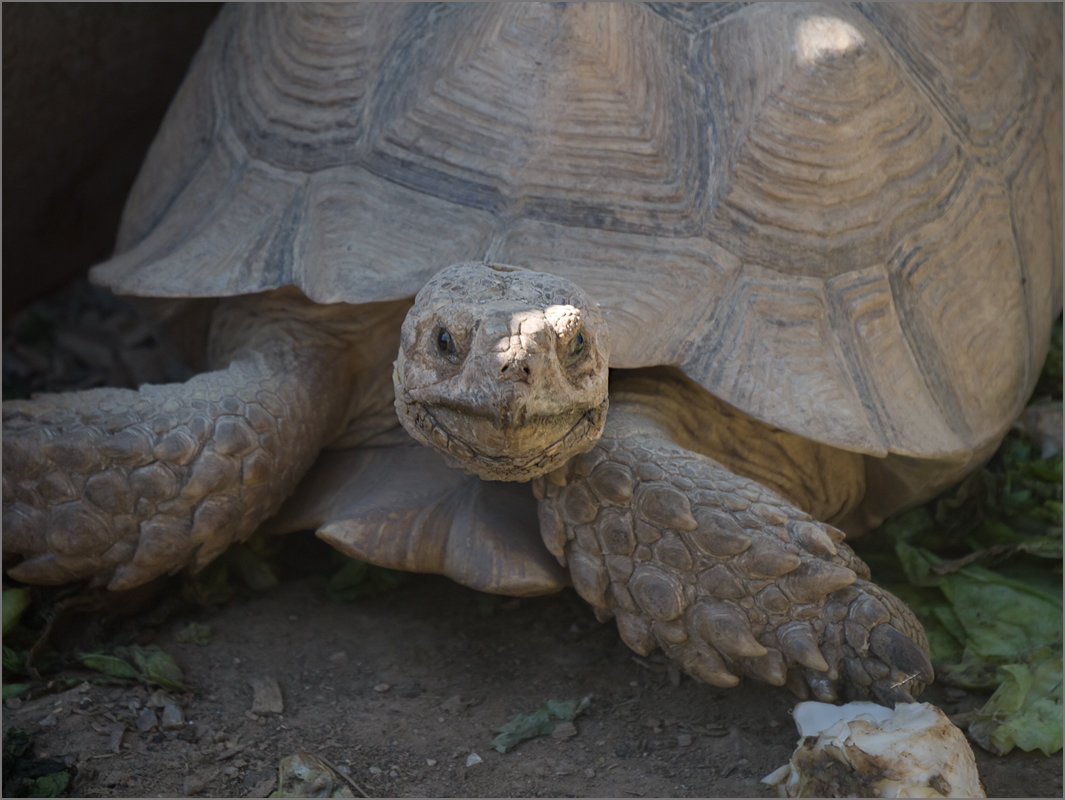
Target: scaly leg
x: 120, y: 486
x: 723, y: 574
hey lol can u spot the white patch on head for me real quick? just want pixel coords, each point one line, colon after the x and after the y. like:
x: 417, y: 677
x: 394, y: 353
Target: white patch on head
x: 566, y: 320
x: 820, y: 39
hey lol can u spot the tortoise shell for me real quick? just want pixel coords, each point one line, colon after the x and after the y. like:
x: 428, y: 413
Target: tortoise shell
x: 843, y: 220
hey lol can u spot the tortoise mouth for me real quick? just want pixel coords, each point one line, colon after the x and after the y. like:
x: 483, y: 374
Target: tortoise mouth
x: 483, y: 446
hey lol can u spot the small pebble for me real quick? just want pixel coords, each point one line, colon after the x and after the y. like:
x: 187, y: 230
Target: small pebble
x: 146, y: 720
x: 382, y: 687
x: 430, y: 762
x: 266, y: 696
x: 49, y: 722
x: 472, y: 759
x: 172, y: 718
x: 564, y: 730
x: 376, y: 771
x: 684, y: 740
x: 116, y: 778
x: 194, y: 784
x: 114, y: 737
x: 264, y: 788
x: 455, y: 704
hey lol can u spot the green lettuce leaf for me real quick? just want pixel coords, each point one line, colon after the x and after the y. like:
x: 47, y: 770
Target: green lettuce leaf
x: 1025, y: 710
x: 540, y: 722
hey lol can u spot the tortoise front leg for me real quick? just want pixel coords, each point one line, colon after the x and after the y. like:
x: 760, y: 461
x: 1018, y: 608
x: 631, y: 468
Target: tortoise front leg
x: 723, y: 574
x: 120, y: 486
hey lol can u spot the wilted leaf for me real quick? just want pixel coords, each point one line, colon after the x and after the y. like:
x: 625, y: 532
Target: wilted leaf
x: 54, y: 784
x: 254, y: 569
x: 148, y: 665
x: 538, y: 723
x: 14, y: 660
x: 109, y: 665
x: 15, y: 602
x: 156, y: 666
x: 17, y: 743
x: 194, y: 633
x: 1025, y: 710
x: 210, y: 586
x: 26, y: 776
x: 357, y: 579
x: 15, y: 689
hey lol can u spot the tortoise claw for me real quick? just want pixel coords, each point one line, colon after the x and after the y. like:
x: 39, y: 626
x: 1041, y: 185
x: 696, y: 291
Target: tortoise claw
x: 900, y: 652
x: 799, y: 643
x: 822, y: 687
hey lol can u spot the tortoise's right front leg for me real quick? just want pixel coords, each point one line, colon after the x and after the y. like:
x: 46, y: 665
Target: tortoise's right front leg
x: 723, y: 574
x: 120, y: 486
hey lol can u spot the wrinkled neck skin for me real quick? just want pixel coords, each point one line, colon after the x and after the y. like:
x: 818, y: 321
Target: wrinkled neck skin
x: 503, y: 370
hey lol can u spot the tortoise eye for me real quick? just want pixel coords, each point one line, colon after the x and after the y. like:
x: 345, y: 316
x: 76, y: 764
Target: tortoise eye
x: 445, y: 343
x: 577, y: 345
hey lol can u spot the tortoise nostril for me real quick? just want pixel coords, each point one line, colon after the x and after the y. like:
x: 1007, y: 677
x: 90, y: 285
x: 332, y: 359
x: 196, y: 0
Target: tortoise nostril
x: 515, y: 369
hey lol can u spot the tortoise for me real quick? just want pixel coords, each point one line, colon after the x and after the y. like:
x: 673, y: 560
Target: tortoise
x: 681, y: 296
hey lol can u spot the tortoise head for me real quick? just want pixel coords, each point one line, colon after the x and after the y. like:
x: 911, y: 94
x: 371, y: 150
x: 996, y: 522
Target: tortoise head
x: 503, y: 370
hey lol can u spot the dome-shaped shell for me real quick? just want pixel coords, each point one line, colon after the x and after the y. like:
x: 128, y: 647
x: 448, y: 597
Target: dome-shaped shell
x: 843, y: 220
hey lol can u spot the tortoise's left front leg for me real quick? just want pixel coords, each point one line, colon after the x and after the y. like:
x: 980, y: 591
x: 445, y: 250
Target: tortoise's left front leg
x: 723, y: 574
x: 120, y: 486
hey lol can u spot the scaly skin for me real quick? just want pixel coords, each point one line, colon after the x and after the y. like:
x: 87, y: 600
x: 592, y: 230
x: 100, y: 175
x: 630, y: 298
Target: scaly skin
x: 724, y: 575
x: 119, y: 486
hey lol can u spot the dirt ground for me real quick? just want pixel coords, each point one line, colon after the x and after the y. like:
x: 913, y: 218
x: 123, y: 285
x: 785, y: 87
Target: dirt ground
x: 401, y: 692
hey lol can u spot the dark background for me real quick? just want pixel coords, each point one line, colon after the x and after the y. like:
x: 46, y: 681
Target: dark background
x: 85, y: 86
